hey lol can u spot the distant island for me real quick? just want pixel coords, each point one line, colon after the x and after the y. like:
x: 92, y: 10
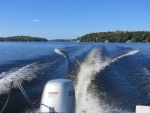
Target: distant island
x: 23, y: 38
x: 117, y: 36
x: 63, y: 40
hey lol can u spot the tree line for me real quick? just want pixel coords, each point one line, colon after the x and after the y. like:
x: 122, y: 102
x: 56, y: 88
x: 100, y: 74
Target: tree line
x: 117, y: 36
x: 22, y: 38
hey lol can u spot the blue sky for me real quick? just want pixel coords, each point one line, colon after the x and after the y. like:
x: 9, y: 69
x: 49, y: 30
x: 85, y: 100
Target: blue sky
x: 67, y: 19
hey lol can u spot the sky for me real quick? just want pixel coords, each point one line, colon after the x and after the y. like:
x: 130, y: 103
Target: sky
x: 69, y: 19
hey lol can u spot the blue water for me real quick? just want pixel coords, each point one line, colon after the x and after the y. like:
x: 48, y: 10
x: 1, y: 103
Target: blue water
x: 108, y: 77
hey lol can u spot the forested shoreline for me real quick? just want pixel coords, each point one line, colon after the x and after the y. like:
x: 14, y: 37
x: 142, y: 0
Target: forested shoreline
x: 22, y: 38
x: 117, y: 36
x: 110, y: 36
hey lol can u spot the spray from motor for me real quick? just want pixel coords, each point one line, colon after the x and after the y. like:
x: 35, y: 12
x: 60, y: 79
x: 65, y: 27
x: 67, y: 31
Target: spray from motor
x: 85, y: 100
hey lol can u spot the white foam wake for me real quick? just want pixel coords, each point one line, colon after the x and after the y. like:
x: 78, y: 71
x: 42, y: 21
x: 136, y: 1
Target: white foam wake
x: 132, y: 52
x: 26, y: 73
x: 85, y: 100
x: 60, y: 52
x: 93, y: 64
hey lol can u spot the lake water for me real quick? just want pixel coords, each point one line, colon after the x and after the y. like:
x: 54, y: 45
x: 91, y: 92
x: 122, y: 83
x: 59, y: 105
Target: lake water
x: 108, y: 77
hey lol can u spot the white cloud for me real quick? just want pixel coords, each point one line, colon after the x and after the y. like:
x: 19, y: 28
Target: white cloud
x: 35, y: 20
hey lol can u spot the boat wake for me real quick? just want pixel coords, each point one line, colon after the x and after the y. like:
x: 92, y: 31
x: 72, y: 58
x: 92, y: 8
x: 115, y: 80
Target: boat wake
x: 132, y: 52
x: 60, y: 52
x: 86, y: 98
x: 89, y: 68
x: 26, y: 73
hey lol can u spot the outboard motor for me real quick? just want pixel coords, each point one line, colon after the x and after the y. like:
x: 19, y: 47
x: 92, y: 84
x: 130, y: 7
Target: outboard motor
x: 58, y: 97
